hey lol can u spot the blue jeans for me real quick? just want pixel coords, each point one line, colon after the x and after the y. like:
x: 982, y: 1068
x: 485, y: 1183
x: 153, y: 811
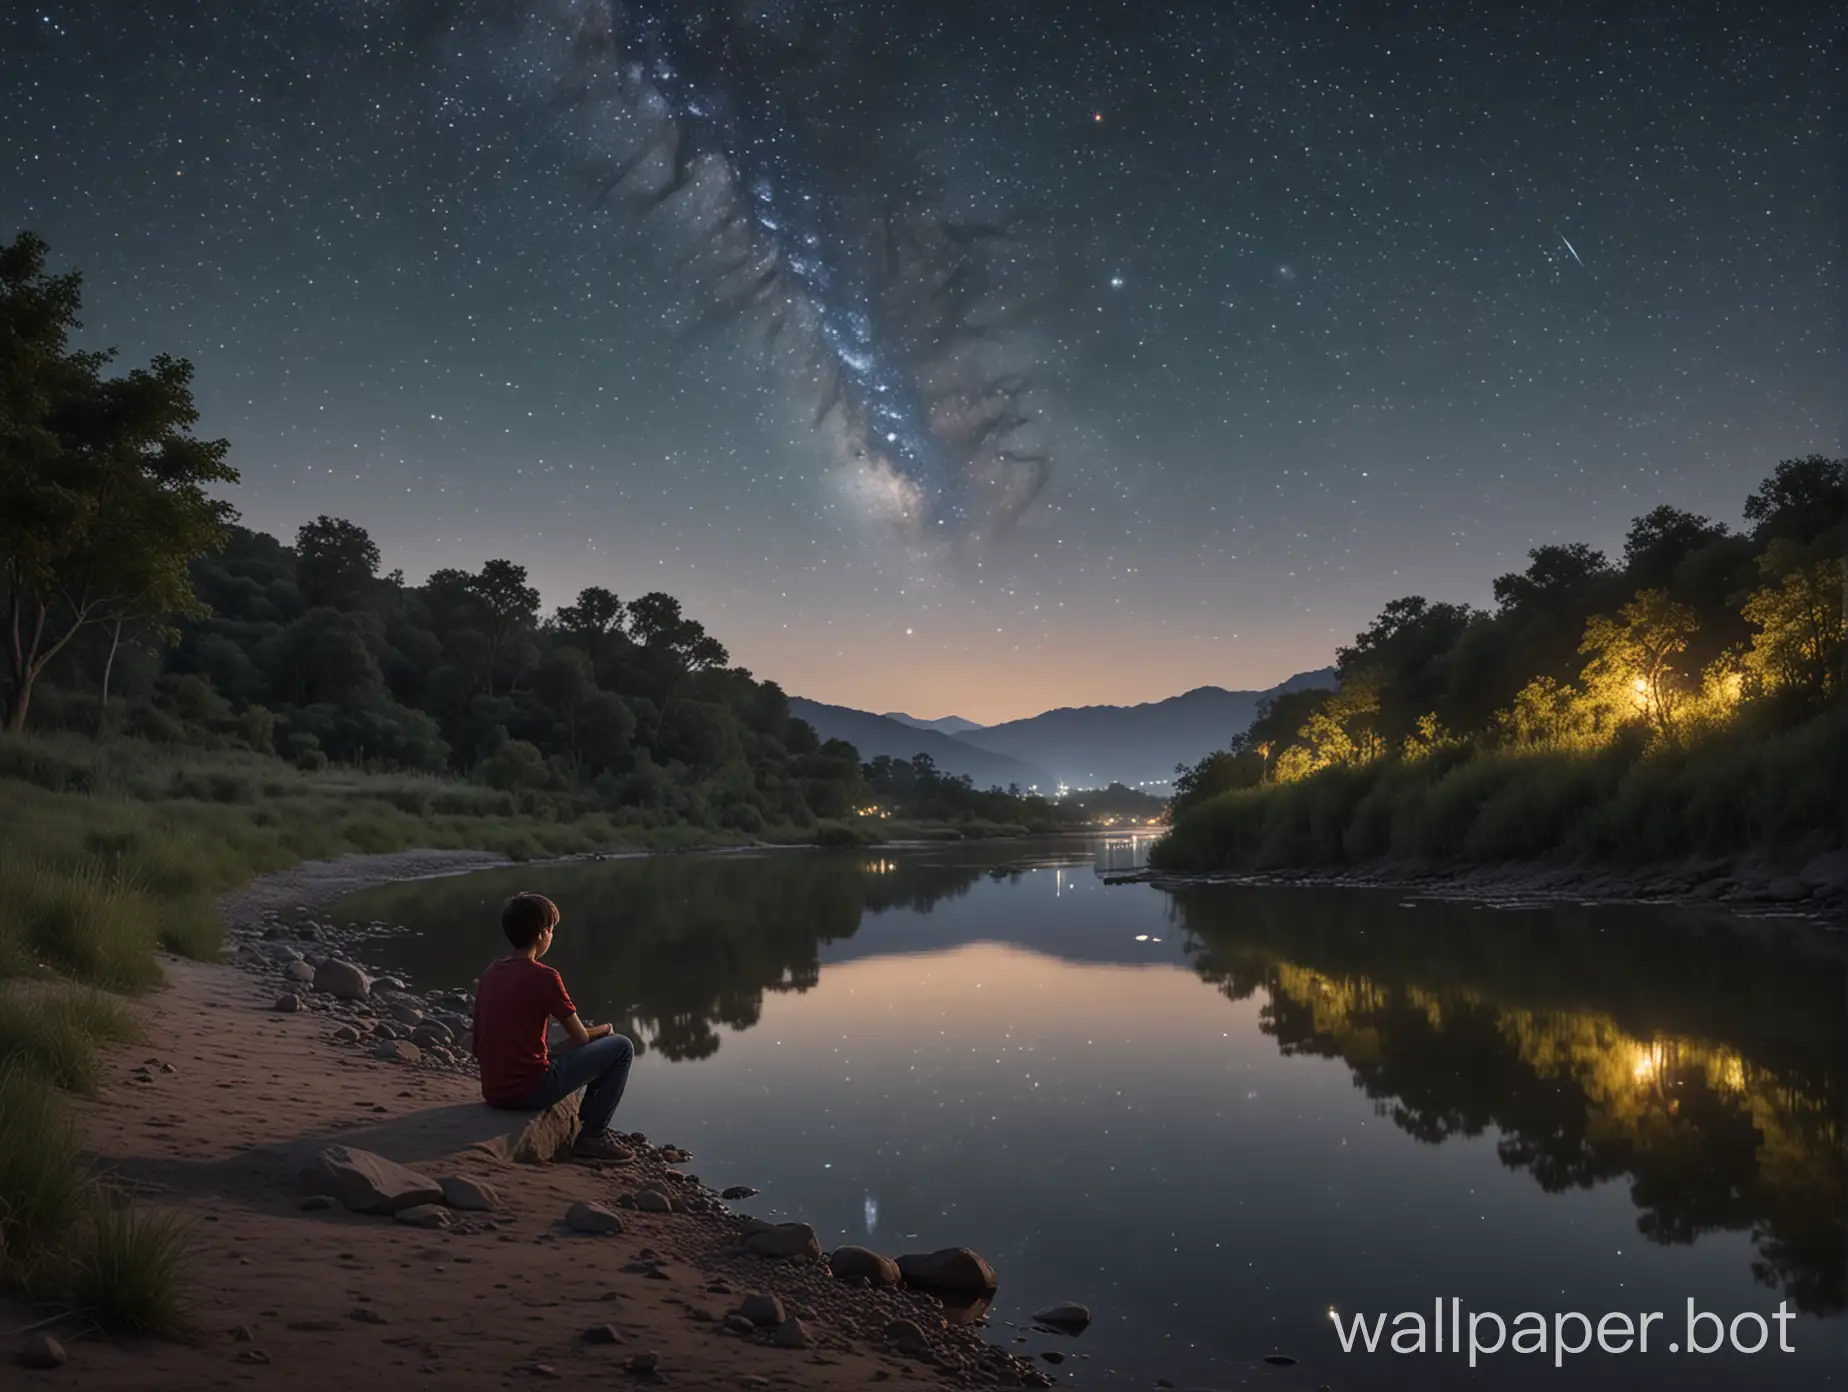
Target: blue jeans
x: 600, y: 1067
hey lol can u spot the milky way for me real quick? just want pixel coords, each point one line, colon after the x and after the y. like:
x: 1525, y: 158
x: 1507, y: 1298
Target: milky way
x: 768, y: 138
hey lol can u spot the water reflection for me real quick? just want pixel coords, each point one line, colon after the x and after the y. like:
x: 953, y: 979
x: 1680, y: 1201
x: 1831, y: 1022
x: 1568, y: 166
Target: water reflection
x: 669, y: 947
x: 1698, y: 1064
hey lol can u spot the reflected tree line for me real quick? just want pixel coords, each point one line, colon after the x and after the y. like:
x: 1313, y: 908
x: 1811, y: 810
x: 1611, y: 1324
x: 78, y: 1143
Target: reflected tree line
x: 1701, y: 1065
x: 696, y: 951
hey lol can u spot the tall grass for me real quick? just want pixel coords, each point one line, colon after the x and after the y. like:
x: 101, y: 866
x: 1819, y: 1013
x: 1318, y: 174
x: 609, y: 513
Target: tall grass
x: 113, y: 851
x: 45, y: 1188
x: 1738, y: 792
x: 51, y: 1034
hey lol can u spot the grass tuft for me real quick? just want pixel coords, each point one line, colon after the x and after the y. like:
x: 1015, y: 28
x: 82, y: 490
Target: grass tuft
x: 127, y: 1271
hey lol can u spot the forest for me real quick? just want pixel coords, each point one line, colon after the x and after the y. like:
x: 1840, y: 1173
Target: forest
x: 1680, y: 699
x: 138, y: 607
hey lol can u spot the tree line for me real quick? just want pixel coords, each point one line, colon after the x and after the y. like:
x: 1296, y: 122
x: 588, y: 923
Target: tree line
x: 135, y: 603
x: 1696, y: 628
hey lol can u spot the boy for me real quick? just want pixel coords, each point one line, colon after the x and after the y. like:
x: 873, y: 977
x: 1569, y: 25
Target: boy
x: 514, y: 999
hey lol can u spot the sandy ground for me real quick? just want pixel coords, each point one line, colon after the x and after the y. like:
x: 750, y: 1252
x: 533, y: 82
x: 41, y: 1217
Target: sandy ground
x: 213, y: 1115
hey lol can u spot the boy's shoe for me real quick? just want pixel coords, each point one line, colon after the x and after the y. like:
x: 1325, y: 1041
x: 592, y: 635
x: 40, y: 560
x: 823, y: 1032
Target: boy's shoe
x: 600, y: 1145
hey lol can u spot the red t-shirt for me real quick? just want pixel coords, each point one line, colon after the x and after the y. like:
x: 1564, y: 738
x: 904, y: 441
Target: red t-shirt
x: 513, y: 1001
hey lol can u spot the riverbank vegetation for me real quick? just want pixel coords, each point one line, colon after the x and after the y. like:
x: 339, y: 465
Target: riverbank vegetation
x: 1684, y: 700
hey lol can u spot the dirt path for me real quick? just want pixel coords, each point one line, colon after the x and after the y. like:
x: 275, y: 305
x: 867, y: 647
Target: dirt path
x: 212, y: 1117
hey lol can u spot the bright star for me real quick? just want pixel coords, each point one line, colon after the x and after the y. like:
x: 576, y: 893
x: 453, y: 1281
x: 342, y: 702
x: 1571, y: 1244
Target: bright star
x: 1116, y: 282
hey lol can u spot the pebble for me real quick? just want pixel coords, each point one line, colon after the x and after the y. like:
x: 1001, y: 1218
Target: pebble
x: 346, y: 1034
x: 397, y: 1051
x: 288, y: 1003
x: 602, y: 1334
x: 316, y: 1203
x: 644, y: 1362
x: 791, y: 1334
x: 739, y: 1191
x: 423, y: 1216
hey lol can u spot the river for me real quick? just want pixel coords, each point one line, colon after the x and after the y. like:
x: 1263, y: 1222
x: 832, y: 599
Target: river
x: 1229, y: 1119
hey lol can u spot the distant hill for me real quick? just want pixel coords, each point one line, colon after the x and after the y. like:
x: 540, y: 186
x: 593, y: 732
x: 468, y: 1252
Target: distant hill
x: 946, y: 725
x: 1092, y: 746
x: 874, y: 735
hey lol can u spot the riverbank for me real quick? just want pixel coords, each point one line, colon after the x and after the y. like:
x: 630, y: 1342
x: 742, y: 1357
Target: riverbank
x: 1816, y: 891
x: 211, y: 1121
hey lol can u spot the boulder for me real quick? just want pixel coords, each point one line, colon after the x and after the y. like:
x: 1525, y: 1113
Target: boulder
x: 653, y: 1201
x: 346, y: 1034
x: 785, y: 1240
x: 592, y: 1218
x: 403, y: 1011
x: 288, y: 1003
x: 366, y: 1183
x: 41, y: 1351
x: 397, y: 1051
x: 423, y: 1216
x: 761, y: 1309
x: 790, y: 1334
x: 948, y: 1269
x: 298, y: 970
x: 342, y: 980
x: 1066, y: 1316
x: 430, y: 1035
x: 470, y: 1195
x: 1826, y: 871
x: 851, y: 1262
x: 532, y: 1138
x: 739, y: 1191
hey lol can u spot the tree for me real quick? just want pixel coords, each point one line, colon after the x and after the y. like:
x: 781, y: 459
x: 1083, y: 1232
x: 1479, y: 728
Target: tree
x: 509, y: 606
x: 1660, y: 540
x: 103, y: 500
x: 335, y: 562
x: 1798, y: 614
x: 1632, y: 668
x: 1802, y: 500
x: 598, y: 613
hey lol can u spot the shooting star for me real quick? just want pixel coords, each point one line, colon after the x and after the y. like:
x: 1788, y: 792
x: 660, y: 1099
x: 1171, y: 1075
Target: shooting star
x: 1574, y: 251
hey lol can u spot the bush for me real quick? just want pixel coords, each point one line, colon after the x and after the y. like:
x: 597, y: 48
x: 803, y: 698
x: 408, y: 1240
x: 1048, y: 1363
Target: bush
x: 1737, y: 790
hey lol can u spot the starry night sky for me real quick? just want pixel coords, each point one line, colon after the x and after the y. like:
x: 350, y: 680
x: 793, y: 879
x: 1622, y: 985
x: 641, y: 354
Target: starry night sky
x: 1305, y: 329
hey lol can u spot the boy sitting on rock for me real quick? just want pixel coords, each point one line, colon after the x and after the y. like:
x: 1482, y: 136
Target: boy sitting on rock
x: 514, y: 1000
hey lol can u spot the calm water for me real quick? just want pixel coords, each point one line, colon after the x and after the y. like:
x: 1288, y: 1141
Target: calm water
x: 1215, y: 1115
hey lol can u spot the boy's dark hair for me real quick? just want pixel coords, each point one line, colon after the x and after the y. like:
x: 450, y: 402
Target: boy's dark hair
x: 525, y: 916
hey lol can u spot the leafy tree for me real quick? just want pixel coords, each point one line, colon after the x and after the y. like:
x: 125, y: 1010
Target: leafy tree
x: 1633, y: 668
x: 597, y: 613
x: 335, y: 562
x: 1660, y: 540
x: 509, y: 608
x: 1798, y: 615
x: 103, y: 499
x: 1803, y: 499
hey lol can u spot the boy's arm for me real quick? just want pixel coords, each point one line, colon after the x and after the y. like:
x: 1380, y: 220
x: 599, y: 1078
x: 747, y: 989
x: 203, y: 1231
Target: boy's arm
x: 582, y: 1033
